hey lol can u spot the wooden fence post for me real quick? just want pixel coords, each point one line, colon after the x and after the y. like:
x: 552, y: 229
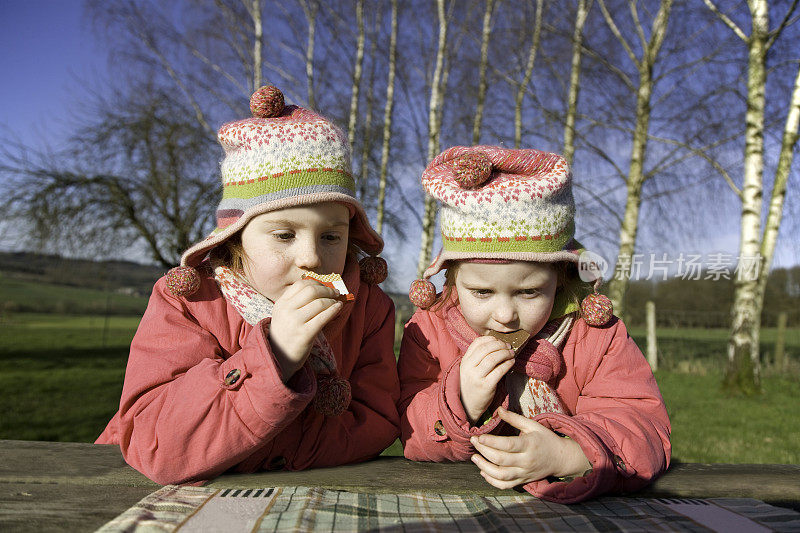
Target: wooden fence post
x: 780, y: 343
x: 652, y: 343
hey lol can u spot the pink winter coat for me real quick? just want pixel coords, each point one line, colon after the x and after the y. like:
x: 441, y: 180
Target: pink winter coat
x: 179, y: 422
x: 615, y: 410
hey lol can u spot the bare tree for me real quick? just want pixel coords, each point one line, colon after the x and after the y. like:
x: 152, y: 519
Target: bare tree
x: 581, y: 15
x: 254, y: 10
x: 636, y: 176
x: 526, y: 78
x: 743, y: 372
x: 310, y: 9
x: 143, y: 172
x: 434, y: 130
x: 485, y: 33
x: 387, y: 119
x: 357, y: 67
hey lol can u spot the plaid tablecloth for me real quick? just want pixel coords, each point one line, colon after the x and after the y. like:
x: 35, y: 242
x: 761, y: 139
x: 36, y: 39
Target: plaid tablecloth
x: 190, y: 509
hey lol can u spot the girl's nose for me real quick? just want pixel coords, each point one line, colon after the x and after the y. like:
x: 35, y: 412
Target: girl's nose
x: 505, y: 312
x: 308, y: 256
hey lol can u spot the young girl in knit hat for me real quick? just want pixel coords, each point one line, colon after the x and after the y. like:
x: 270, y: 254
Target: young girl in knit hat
x: 241, y: 362
x: 506, y: 367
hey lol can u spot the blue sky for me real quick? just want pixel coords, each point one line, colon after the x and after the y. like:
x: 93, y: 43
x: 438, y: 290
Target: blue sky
x: 49, y: 51
x: 50, y: 55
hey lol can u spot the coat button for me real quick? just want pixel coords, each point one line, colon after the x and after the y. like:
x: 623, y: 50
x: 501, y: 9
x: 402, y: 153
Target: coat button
x: 620, y: 463
x: 438, y: 428
x: 232, y: 377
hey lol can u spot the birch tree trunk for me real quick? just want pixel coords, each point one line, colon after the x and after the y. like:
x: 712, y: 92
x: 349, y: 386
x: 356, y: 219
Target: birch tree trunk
x: 760, y: 267
x: 387, y: 120
x: 743, y: 373
x: 526, y: 78
x: 574, y: 79
x: 357, y: 66
x: 636, y: 175
x: 366, y: 138
x: 254, y: 8
x: 434, y: 126
x: 310, y: 8
x: 487, y: 28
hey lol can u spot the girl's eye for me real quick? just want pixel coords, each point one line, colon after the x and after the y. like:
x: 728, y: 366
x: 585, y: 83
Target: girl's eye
x: 284, y: 235
x: 482, y: 293
x: 530, y: 292
x: 332, y: 237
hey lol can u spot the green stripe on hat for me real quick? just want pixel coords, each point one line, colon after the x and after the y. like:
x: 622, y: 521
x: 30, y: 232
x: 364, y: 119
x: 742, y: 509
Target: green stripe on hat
x: 290, y: 180
x: 524, y: 243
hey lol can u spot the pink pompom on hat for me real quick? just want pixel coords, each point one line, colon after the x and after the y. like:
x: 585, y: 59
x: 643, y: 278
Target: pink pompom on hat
x: 284, y: 156
x: 500, y: 204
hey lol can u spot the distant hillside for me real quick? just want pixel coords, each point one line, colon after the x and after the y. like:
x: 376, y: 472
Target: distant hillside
x: 115, y: 276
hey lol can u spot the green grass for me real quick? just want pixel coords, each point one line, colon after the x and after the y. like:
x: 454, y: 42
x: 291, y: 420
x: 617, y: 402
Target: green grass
x: 61, y: 378
x: 710, y: 427
x: 27, y: 296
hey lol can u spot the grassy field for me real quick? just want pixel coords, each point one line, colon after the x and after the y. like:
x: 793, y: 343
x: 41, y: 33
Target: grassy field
x: 61, y: 379
x: 34, y: 297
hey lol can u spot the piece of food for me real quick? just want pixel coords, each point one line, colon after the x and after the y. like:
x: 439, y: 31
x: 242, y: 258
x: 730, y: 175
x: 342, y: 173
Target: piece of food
x: 334, y: 281
x: 517, y: 339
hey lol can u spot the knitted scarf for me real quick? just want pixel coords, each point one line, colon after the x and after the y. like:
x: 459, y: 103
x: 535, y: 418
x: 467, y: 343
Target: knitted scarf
x: 333, y: 393
x: 536, y: 364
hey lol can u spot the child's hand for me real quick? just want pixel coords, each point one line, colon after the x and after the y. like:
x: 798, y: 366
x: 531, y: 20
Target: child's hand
x: 534, y: 454
x: 297, y: 317
x: 483, y: 366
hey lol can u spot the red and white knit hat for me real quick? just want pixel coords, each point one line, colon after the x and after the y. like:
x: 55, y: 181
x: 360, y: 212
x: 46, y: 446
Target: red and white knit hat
x: 285, y: 156
x: 500, y: 204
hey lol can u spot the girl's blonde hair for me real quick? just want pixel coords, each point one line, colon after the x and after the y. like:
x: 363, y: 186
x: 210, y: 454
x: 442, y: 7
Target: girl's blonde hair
x: 568, y: 281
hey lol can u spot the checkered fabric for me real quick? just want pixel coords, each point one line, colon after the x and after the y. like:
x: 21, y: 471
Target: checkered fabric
x: 186, y: 508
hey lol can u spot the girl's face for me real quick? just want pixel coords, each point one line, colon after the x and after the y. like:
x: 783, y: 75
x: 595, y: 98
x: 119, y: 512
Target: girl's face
x: 280, y: 245
x: 506, y: 297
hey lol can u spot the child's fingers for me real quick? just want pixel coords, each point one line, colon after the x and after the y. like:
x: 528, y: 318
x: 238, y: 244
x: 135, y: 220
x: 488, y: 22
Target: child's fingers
x: 490, y: 359
x: 498, y: 443
x: 495, y: 456
x: 315, y: 307
x: 313, y: 290
x: 499, y: 473
x: 522, y: 423
x: 497, y: 373
x: 317, y: 322
x: 503, y: 485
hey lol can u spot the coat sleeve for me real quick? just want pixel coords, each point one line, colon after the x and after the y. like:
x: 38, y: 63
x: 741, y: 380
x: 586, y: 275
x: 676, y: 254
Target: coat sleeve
x: 371, y: 423
x: 187, y: 413
x: 433, y: 423
x: 620, y: 420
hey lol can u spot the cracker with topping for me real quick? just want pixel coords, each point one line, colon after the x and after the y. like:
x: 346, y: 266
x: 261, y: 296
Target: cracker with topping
x: 334, y: 281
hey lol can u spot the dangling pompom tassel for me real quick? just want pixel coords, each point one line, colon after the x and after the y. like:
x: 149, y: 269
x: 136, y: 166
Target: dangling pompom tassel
x: 597, y: 309
x: 422, y: 293
x: 373, y: 270
x: 182, y: 281
x: 333, y: 395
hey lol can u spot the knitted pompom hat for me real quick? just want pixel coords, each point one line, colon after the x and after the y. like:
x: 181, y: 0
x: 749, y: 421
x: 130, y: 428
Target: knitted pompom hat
x: 501, y: 204
x: 285, y: 156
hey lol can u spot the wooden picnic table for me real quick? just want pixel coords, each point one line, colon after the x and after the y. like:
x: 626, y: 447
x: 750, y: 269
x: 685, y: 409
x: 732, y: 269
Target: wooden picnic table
x: 61, y: 486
